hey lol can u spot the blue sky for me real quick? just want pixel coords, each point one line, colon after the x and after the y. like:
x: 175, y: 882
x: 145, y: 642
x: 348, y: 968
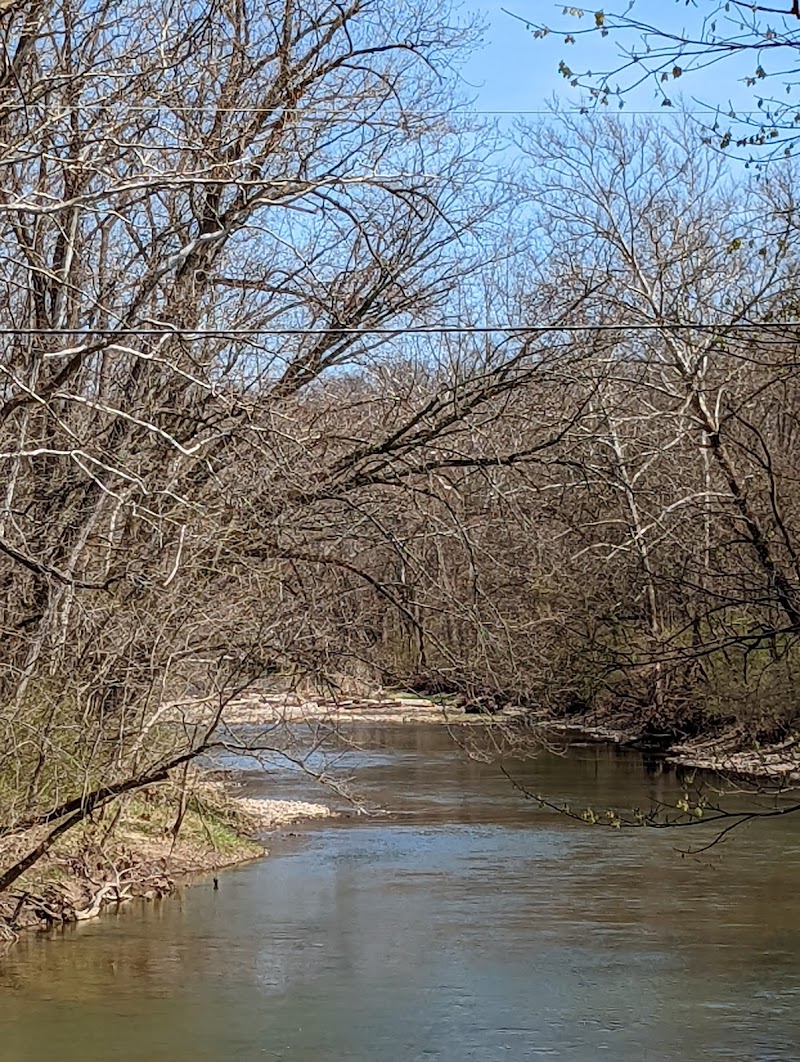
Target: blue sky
x: 515, y: 71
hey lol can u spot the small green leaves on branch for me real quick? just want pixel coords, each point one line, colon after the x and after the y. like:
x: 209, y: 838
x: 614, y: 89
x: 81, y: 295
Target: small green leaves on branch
x: 663, y: 51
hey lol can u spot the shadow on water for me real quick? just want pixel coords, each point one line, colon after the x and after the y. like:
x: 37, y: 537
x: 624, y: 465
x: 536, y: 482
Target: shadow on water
x: 469, y: 924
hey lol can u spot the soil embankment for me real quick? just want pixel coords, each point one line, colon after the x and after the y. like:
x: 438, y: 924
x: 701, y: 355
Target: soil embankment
x: 152, y: 841
x: 143, y: 851
x: 727, y: 751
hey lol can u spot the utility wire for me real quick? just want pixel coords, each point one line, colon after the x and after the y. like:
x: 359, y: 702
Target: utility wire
x: 585, y: 109
x: 436, y: 330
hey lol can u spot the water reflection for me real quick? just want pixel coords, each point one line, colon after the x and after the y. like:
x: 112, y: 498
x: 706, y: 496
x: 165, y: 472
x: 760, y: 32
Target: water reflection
x: 473, y: 926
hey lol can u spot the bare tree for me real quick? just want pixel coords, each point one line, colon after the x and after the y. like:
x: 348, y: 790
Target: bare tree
x: 644, y: 559
x: 204, y: 212
x: 698, y: 287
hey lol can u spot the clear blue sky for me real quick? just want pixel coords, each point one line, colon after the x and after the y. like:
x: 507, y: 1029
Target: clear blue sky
x: 515, y: 71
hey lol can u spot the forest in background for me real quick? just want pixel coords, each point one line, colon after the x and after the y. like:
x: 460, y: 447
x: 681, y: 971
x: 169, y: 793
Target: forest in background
x: 304, y: 374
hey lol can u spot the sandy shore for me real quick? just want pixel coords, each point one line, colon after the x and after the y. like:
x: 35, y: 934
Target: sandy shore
x: 267, y: 815
x: 255, y: 708
x: 724, y: 754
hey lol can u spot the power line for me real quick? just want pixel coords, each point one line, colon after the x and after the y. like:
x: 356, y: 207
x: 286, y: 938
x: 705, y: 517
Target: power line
x: 576, y: 109
x: 421, y: 330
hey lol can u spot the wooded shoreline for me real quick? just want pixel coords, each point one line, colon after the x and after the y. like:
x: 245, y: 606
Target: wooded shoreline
x: 163, y: 837
x: 721, y: 748
x: 305, y: 375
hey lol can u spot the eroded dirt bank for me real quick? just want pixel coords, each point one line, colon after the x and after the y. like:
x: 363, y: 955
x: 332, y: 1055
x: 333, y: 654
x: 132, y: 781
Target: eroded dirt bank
x: 143, y: 850
x: 727, y: 751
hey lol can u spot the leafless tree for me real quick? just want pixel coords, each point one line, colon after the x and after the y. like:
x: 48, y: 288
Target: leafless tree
x: 253, y: 420
x: 205, y: 212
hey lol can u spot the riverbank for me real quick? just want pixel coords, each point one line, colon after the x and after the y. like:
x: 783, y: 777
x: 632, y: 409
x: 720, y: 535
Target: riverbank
x: 151, y: 842
x: 411, y: 935
x: 148, y: 847
x: 726, y: 751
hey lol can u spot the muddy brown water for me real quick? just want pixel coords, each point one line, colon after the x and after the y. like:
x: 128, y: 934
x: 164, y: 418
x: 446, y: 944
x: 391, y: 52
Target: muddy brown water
x: 471, y: 925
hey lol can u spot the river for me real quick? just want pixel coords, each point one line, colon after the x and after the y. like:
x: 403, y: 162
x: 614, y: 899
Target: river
x: 468, y: 925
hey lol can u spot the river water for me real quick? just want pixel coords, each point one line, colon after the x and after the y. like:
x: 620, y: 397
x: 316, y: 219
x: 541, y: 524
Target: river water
x: 470, y: 925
